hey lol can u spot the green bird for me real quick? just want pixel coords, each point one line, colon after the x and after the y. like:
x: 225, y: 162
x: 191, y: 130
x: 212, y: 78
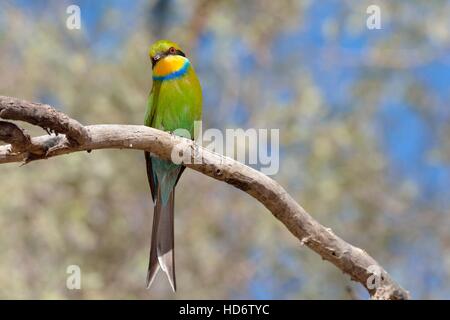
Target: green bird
x: 175, y: 102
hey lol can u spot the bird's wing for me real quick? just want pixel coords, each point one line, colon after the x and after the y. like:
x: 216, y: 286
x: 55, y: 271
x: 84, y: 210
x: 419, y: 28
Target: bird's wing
x: 149, y: 117
x: 151, y: 175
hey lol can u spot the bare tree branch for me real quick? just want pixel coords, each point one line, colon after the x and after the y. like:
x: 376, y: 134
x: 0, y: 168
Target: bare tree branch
x: 351, y: 260
x: 42, y: 115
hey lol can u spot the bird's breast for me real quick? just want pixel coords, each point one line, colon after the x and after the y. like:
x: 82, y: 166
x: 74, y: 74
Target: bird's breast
x: 170, y: 67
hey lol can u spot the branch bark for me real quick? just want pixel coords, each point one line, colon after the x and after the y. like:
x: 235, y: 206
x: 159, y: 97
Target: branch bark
x: 17, y: 137
x: 350, y: 259
x: 44, y: 116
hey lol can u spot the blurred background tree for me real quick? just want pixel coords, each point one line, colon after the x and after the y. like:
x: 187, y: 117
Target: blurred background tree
x: 364, y: 126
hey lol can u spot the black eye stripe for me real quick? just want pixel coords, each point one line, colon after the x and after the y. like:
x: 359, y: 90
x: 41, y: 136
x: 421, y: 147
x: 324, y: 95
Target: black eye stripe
x: 176, y: 53
x: 165, y: 54
x: 153, y: 62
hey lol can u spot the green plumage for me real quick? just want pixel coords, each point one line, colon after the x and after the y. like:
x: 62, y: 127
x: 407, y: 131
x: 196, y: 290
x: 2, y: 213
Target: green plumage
x: 174, y: 103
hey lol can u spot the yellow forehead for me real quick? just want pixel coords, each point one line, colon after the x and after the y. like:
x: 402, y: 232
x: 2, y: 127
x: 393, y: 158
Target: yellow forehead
x: 168, y: 65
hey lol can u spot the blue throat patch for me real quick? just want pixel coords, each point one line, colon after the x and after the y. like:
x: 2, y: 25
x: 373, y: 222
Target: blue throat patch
x: 174, y: 75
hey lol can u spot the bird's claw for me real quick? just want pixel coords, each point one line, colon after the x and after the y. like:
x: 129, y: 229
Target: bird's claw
x: 50, y: 131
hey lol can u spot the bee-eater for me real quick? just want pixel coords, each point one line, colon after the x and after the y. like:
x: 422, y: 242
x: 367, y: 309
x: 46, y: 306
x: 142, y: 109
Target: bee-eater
x: 175, y: 102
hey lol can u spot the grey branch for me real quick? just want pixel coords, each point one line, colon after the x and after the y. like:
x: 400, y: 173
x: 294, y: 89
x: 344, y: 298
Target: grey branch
x: 350, y: 259
x: 42, y: 115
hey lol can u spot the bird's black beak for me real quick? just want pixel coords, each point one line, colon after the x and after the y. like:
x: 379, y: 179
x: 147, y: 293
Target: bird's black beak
x: 180, y: 53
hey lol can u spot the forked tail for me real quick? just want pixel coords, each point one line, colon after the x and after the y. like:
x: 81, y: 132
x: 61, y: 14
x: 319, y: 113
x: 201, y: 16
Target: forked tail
x: 162, y: 252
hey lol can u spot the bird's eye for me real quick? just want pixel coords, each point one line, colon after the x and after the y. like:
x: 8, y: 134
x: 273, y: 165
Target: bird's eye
x: 172, y: 50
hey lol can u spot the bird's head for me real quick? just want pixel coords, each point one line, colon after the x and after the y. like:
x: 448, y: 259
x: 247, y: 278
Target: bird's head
x: 162, y: 49
x: 167, y: 57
